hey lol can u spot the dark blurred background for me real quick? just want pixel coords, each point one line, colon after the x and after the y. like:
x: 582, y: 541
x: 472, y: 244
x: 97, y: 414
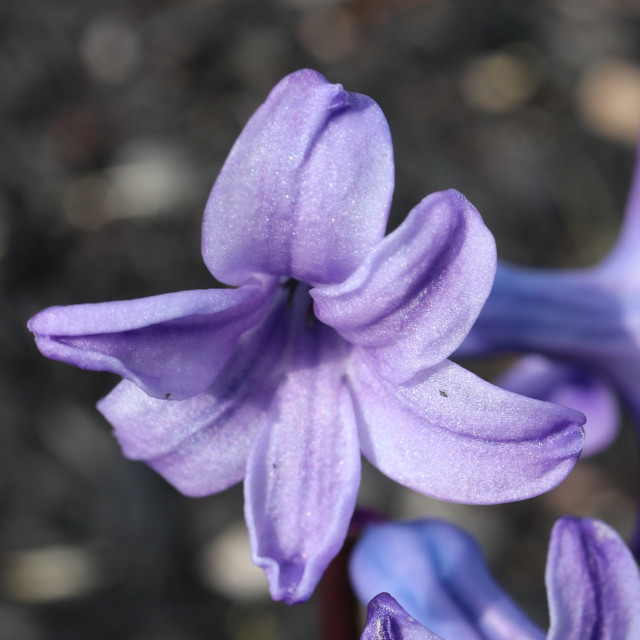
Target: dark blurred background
x: 115, y: 118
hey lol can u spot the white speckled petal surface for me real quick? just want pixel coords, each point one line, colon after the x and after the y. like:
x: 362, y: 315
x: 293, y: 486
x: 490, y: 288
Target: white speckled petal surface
x: 201, y: 445
x: 305, y: 191
x: 172, y: 345
x: 304, y: 471
x: 438, y: 574
x: 456, y: 437
x: 592, y: 583
x: 570, y: 385
x: 387, y: 620
x: 414, y: 299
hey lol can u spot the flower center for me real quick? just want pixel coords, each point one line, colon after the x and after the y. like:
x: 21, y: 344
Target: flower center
x: 298, y: 297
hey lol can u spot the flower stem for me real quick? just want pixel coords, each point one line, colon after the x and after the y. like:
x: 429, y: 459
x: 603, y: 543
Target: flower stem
x: 339, y: 611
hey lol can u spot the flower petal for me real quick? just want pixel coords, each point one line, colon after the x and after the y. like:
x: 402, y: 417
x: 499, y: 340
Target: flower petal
x: 564, y: 314
x: 415, y: 297
x: 572, y: 386
x: 171, y: 345
x: 305, y: 191
x: 438, y: 574
x: 387, y: 620
x: 456, y: 437
x: 593, y: 583
x: 304, y: 471
x: 201, y: 445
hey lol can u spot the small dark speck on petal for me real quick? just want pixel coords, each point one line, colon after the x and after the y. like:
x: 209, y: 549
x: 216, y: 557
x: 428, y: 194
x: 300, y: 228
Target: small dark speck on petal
x: 167, y: 395
x: 443, y: 394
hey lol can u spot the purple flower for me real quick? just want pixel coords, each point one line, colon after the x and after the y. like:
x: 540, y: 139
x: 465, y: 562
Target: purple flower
x: 387, y: 620
x: 586, y: 324
x: 334, y: 342
x: 439, y: 578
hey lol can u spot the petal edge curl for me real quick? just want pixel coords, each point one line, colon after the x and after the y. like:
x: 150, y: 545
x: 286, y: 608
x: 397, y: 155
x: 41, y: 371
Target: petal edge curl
x: 172, y: 345
x: 200, y: 445
x: 456, y: 437
x: 415, y: 297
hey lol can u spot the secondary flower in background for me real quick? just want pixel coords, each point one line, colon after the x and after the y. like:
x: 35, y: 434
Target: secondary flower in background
x: 438, y: 576
x: 586, y: 322
x: 334, y: 342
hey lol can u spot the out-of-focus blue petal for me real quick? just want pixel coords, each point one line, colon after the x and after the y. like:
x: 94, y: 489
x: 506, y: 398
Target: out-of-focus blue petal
x: 415, y: 297
x: 304, y: 469
x: 172, y: 345
x: 565, y: 314
x: 305, y: 191
x: 570, y: 385
x: 593, y: 583
x: 437, y: 573
x: 387, y: 620
x: 456, y: 437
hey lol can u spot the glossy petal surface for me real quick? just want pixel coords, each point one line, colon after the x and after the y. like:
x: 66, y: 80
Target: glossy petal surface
x: 171, y: 346
x: 437, y: 573
x: 387, y: 620
x: 456, y: 437
x: 201, y: 445
x: 415, y: 297
x: 570, y: 386
x: 305, y: 191
x: 304, y: 470
x: 592, y: 583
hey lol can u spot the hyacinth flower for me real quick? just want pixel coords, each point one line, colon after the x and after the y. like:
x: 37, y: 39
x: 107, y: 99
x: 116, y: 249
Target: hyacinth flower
x: 584, y: 326
x: 331, y: 340
x: 442, y: 588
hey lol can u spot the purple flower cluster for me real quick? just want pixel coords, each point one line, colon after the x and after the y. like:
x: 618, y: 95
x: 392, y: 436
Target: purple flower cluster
x: 332, y: 340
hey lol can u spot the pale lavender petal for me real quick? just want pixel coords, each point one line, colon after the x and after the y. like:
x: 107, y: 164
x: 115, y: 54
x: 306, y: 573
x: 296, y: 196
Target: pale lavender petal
x: 305, y: 191
x: 171, y: 346
x: 570, y: 385
x: 304, y: 471
x: 201, y: 444
x: 456, y: 437
x: 415, y: 297
x: 438, y: 575
x: 387, y: 620
x: 593, y: 583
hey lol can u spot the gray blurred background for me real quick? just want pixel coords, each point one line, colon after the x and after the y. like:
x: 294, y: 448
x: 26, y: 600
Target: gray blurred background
x: 115, y: 118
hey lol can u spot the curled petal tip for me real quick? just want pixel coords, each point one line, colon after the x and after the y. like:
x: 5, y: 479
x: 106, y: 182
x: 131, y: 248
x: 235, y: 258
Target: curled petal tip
x: 171, y: 345
x: 459, y: 438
